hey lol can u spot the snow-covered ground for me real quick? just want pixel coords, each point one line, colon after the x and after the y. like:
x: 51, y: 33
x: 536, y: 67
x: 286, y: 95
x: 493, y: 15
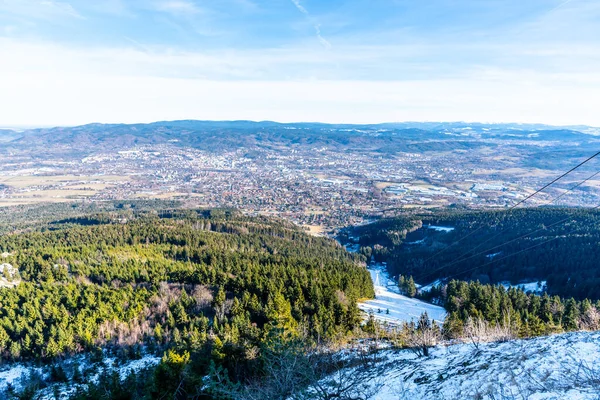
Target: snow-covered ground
x: 565, y: 366
x: 388, y: 297
x: 14, y: 374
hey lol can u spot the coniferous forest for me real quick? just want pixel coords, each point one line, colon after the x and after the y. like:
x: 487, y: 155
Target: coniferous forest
x: 208, y: 289
x: 559, y: 246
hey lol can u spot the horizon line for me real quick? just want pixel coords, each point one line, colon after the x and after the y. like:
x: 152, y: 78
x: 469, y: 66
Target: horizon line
x: 54, y: 126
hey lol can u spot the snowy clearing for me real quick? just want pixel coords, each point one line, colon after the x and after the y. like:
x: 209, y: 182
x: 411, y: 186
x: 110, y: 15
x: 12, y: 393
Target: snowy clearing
x: 401, y: 308
x: 440, y: 228
x: 534, y: 287
x: 427, y: 288
x: 565, y: 366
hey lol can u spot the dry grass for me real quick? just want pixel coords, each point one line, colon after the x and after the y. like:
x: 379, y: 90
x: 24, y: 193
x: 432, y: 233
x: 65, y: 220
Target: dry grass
x: 315, y: 230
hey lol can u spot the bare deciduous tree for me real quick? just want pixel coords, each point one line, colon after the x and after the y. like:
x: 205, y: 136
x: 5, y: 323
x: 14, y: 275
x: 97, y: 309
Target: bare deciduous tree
x: 297, y: 373
x: 424, y: 335
x: 478, y: 330
x: 590, y: 320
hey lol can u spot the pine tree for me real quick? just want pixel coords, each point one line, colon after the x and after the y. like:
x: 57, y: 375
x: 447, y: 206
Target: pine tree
x: 402, y: 284
x: 411, y: 288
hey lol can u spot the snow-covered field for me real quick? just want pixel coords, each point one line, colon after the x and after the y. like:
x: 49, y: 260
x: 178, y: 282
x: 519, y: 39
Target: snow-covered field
x: 401, y: 308
x: 565, y: 366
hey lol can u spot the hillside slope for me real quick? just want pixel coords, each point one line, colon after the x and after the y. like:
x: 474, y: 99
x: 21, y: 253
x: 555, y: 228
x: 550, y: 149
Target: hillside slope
x: 556, y: 245
x: 206, y: 287
x: 555, y: 367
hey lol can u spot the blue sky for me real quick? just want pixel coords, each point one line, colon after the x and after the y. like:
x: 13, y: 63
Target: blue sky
x: 78, y: 61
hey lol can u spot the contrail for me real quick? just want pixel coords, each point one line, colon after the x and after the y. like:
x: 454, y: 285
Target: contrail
x: 323, y: 41
x: 301, y: 7
x: 560, y: 5
x: 317, y: 27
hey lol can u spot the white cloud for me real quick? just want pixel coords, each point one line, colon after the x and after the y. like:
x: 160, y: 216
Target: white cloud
x: 560, y: 5
x: 61, y: 7
x: 52, y: 99
x: 112, y: 7
x: 39, y: 9
x: 179, y: 7
x: 43, y: 84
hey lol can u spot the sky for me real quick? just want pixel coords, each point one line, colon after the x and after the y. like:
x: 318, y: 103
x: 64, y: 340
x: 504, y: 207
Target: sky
x: 356, y: 61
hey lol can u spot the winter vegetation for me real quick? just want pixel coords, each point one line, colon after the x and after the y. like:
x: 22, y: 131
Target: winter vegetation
x: 211, y: 304
x: 9, y: 275
x: 561, y: 366
x: 62, y: 379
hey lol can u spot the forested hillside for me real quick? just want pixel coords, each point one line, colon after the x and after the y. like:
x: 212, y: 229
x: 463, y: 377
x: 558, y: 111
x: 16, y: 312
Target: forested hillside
x: 212, y: 287
x: 21, y: 218
x: 558, y: 245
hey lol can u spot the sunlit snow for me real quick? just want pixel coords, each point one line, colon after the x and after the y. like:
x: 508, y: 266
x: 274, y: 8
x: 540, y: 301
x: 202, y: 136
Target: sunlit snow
x: 388, y: 298
x: 554, y: 367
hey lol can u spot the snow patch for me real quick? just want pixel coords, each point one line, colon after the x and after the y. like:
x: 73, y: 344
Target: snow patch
x: 14, y: 373
x: 8, y: 275
x: 493, y: 255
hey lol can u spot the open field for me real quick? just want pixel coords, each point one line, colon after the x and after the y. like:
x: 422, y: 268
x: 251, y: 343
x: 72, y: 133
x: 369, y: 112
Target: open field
x: 31, y: 189
x: 26, y: 201
x: 316, y: 230
x: 23, y: 181
x: 383, y: 185
x: 517, y: 172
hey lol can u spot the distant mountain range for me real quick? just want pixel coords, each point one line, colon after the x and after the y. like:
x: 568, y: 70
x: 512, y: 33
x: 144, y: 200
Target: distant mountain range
x: 229, y: 135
